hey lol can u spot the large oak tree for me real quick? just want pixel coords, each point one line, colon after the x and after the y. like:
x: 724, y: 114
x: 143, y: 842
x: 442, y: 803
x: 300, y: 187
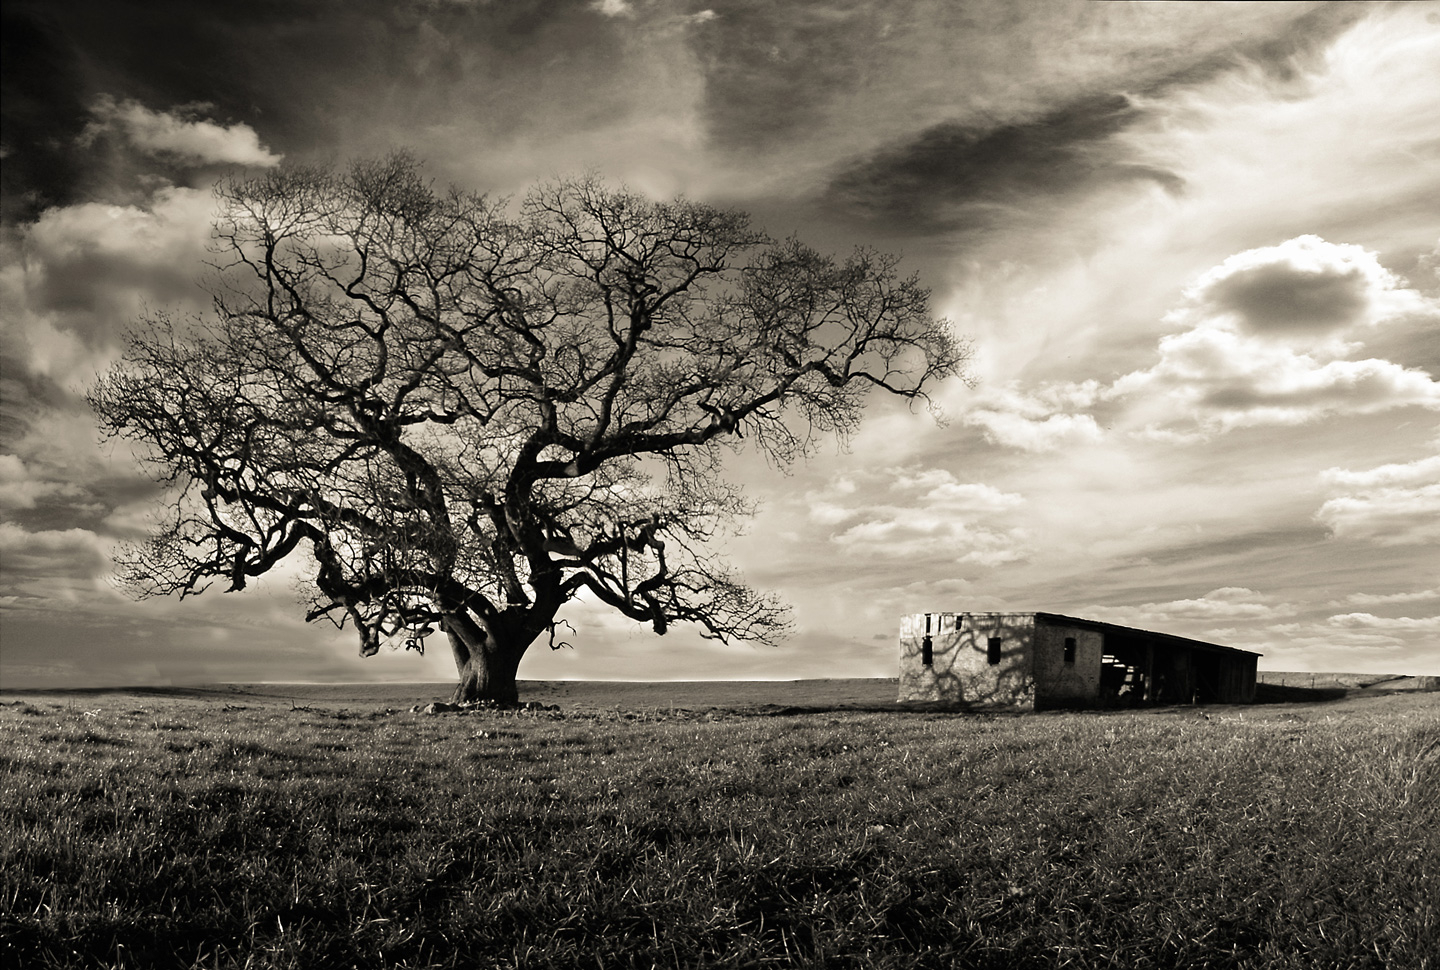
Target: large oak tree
x: 462, y: 414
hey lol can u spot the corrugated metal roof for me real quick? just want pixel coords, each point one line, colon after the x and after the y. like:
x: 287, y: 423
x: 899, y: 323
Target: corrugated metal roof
x: 1178, y: 641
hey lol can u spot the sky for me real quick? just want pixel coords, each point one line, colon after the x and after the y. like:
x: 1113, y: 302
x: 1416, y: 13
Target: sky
x: 1196, y: 247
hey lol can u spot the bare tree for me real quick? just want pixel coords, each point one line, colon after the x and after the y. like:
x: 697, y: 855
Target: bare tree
x: 466, y: 418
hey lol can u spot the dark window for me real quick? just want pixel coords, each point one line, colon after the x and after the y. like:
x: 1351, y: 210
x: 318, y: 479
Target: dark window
x: 927, y: 652
x: 992, y: 651
x: 1069, y: 650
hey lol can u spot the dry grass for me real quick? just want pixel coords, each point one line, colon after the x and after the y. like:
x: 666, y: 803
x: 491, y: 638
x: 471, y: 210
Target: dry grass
x: 172, y: 832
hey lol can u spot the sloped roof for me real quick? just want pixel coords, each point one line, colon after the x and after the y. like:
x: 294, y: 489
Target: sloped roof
x: 1167, y: 638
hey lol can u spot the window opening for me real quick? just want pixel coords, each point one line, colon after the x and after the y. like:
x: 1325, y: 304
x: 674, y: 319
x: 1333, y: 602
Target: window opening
x: 1069, y: 650
x: 992, y: 651
x: 927, y: 652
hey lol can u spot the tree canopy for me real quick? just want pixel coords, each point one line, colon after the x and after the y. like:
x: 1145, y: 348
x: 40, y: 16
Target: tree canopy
x: 464, y: 413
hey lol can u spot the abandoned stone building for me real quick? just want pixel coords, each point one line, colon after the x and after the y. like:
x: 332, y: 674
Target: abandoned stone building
x: 1045, y: 660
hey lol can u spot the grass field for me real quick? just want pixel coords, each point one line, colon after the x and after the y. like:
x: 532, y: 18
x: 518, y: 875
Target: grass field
x: 308, y: 828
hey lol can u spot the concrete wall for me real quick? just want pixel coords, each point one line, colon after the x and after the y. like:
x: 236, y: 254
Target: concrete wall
x: 1061, y: 684
x: 960, y: 670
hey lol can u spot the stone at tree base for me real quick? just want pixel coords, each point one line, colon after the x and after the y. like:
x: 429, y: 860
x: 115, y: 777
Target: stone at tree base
x: 466, y: 707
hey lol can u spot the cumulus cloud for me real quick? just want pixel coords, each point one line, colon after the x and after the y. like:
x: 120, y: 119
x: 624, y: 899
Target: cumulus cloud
x: 1392, y: 505
x: 1304, y: 286
x: 181, y: 133
x: 1265, y: 344
x: 1218, y: 380
x: 76, y: 255
x: 86, y: 270
x: 913, y: 533
x: 1267, y: 337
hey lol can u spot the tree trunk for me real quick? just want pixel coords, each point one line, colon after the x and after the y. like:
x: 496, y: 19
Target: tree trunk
x: 486, y: 668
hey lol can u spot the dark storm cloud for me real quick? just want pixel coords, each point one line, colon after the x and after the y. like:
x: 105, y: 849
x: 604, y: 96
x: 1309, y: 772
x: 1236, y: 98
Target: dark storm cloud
x: 771, y: 69
x: 42, y: 111
x: 965, y: 177
x: 314, y: 77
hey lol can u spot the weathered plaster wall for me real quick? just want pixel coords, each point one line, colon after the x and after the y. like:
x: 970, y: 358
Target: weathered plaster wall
x: 918, y: 681
x: 1061, y: 684
x: 960, y: 670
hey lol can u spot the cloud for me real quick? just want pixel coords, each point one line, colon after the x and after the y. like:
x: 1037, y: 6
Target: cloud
x: 1385, y: 624
x: 924, y: 102
x: 1051, y: 433
x: 51, y: 569
x: 929, y: 514
x: 1218, y: 605
x: 1303, y: 286
x: 21, y: 489
x: 179, y: 133
x: 1265, y: 338
x: 1381, y: 599
x: 1418, y: 472
x: 1218, y: 380
x: 1037, y: 420
x: 87, y: 270
x: 969, y: 175
x: 1391, y: 505
x: 1229, y: 371
x: 612, y: 8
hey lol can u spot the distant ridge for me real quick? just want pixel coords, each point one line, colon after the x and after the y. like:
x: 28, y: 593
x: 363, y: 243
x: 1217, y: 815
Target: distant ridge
x: 869, y: 693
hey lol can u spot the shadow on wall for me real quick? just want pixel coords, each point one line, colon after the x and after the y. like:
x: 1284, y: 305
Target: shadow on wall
x: 993, y: 662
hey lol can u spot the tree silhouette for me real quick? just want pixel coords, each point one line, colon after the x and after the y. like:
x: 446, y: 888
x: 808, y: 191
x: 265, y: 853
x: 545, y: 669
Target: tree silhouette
x: 466, y: 415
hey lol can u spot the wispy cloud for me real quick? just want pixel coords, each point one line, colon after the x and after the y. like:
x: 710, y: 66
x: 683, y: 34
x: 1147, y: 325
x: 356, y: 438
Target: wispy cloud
x: 1225, y: 604
x: 919, y: 514
x: 1401, y: 624
x: 1382, y: 599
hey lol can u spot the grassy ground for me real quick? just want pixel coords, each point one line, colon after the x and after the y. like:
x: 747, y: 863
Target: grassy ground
x: 257, y: 830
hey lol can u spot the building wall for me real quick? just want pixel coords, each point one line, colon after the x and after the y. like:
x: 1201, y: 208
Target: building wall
x: 1032, y: 671
x: 1237, y: 679
x: 1061, y: 684
x: 959, y: 668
